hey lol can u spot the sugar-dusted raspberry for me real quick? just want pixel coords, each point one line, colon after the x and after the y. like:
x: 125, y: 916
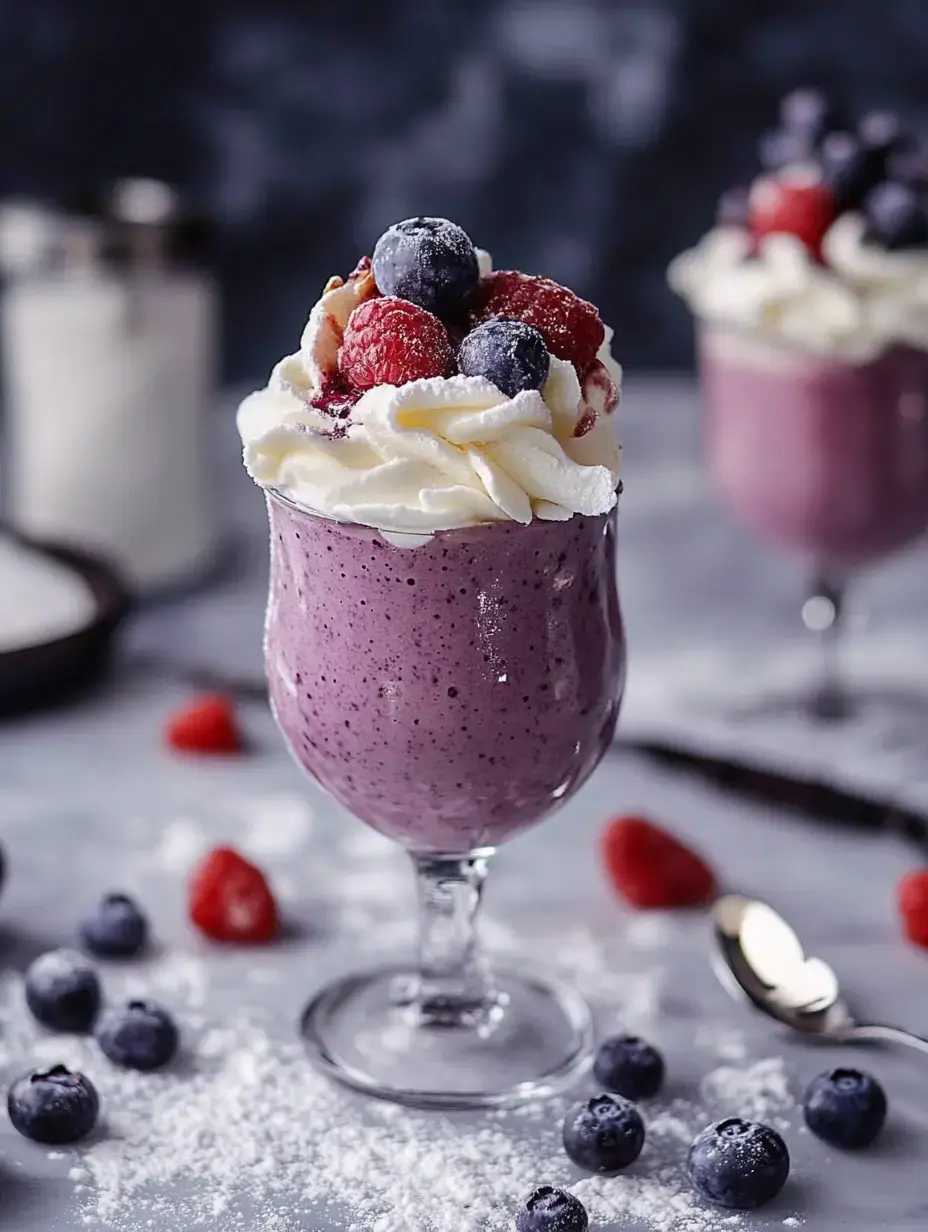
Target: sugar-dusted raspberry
x: 569, y: 325
x: 389, y: 341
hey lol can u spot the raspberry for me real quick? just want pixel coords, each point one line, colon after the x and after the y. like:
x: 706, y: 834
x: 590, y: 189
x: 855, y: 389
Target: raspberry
x: 569, y: 325
x: 230, y: 899
x: 793, y: 204
x: 651, y: 868
x: 206, y: 725
x: 599, y: 390
x: 912, y: 897
x: 389, y: 341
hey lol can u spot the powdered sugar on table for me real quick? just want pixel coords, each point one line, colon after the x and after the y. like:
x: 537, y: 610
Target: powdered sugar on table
x: 243, y: 1124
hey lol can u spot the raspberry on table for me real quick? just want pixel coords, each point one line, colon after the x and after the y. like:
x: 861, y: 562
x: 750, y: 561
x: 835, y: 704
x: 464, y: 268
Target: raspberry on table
x: 389, y: 341
x: 205, y: 726
x: 912, y: 898
x: 570, y: 326
x: 653, y: 869
x: 231, y: 900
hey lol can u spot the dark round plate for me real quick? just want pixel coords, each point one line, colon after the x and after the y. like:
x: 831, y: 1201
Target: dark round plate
x: 53, y: 672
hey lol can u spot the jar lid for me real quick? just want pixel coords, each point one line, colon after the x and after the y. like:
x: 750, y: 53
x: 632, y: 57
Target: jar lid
x: 129, y: 222
x: 147, y: 215
x: 30, y: 232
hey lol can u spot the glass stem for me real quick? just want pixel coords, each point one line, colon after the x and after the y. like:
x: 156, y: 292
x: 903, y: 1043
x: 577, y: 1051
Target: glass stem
x: 454, y: 988
x: 823, y: 614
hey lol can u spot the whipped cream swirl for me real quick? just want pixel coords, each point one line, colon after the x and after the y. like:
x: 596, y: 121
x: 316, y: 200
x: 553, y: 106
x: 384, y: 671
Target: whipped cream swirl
x: 860, y: 303
x: 432, y: 454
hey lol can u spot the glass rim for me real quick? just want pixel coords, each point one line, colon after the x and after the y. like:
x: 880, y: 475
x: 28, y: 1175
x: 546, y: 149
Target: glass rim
x: 308, y: 511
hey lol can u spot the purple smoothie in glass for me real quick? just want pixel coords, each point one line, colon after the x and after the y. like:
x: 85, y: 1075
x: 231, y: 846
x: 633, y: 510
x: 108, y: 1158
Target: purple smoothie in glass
x: 453, y: 692
x: 819, y: 455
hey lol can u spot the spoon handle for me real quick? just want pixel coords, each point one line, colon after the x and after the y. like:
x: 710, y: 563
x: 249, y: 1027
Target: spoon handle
x: 889, y: 1035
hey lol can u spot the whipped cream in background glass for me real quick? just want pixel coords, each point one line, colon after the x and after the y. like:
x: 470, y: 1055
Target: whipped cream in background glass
x: 857, y: 304
x: 432, y: 454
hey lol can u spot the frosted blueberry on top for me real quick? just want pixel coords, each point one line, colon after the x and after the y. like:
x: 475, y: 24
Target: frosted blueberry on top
x: 430, y: 392
x: 827, y: 250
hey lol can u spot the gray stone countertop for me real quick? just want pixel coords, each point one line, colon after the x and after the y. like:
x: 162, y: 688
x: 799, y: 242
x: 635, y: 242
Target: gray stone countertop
x: 240, y: 1136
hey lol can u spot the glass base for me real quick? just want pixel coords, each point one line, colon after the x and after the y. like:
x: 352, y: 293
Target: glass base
x: 532, y: 1039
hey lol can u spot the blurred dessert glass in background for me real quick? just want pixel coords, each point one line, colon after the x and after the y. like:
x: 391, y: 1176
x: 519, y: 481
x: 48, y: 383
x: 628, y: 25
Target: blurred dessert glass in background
x: 811, y: 296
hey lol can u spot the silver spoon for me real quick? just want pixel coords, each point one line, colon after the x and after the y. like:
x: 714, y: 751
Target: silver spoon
x: 758, y: 956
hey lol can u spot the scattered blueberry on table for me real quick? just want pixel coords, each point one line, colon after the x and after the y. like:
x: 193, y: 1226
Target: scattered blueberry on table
x: 629, y: 1066
x: 140, y: 1035
x: 845, y: 1107
x: 117, y: 928
x: 738, y: 1164
x: 53, y: 1106
x: 63, y: 991
x: 547, y: 1209
x: 604, y: 1134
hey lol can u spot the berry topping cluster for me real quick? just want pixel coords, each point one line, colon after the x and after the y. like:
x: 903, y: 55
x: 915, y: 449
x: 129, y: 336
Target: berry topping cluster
x: 427, y: 312
x: 817, y: 165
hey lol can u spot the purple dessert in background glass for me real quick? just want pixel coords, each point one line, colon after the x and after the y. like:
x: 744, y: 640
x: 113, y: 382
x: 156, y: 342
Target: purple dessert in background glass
x: 444, y: 645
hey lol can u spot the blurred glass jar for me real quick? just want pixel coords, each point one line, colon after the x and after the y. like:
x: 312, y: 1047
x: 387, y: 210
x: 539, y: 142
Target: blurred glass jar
x: 109, y: 353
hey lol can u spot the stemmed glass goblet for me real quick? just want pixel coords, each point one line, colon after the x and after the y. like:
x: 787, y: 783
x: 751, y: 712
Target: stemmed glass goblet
x: 450, y: 690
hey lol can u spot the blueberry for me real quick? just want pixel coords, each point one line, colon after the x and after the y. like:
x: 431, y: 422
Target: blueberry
x: 604, y: 1134
x: 810, y: 113
x: 845, y: 1107
x: 849, y: 168
x: 511, y: 355
x: 429, y: 261
x: 909, y: 167
x: 882, y: 132
x: 782, y: 147
x: 738, y: 1164
x: 53, y: 1105
x: 547, y: 1209
x: 63, y: 991
x: 895, y: 217
x: 116, y: 929
x: 733, y: 208
x: 629, y: 1066
x: 141, y: 1036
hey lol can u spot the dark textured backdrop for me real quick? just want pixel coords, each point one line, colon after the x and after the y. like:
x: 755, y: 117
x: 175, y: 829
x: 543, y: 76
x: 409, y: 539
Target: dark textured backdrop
x: 584, y: 139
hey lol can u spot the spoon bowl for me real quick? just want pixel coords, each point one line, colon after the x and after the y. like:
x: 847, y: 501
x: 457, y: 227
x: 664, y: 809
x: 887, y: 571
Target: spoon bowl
x: 758, y: 957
